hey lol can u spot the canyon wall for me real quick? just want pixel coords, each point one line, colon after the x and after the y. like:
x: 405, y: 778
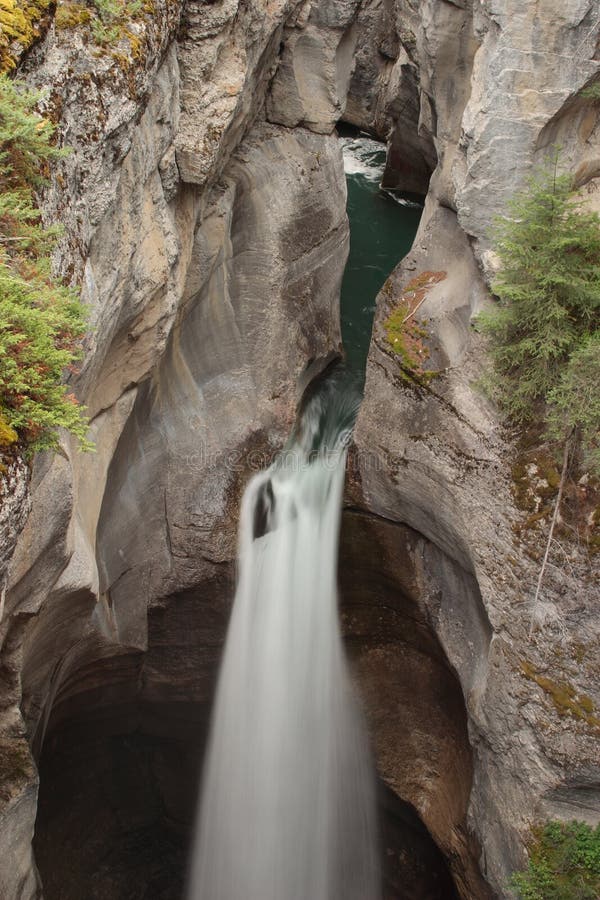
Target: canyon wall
x: 204, y: 213
x: 211, y: 246
x: 490, y: 89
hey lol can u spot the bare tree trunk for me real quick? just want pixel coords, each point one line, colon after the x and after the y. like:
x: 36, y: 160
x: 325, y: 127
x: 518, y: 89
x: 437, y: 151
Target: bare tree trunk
x: 563, y: 478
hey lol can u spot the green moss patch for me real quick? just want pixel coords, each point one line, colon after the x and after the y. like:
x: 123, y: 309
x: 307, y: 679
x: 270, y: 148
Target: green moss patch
x: 406, y: 334
x: 566, y: 699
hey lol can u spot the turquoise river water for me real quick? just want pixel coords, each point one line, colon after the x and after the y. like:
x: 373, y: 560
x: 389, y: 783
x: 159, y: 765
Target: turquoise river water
x: 382, y: 228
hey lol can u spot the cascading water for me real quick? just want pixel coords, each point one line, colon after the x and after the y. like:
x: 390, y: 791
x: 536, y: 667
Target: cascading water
x: 288, y: 806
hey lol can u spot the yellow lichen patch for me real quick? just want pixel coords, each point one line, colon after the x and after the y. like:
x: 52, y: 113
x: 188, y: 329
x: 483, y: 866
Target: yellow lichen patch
x: 8, y: 435
x: 405, y: 333
x: 566, y: 699
x: 136, y: 43
x: 19, y: 28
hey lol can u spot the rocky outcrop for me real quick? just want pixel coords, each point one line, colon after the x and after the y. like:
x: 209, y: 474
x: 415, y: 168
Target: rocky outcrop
x: 396, y: 626
x: 528, y: 74
x: 311, y: 83
x: 259, y: 302
x: 435, y: 459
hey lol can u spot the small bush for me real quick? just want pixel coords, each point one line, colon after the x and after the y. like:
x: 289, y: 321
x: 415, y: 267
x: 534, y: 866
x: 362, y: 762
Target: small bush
x: 574, y: 402
x: 564, y: 864
x: 592, y: 92
x: 107, y: 19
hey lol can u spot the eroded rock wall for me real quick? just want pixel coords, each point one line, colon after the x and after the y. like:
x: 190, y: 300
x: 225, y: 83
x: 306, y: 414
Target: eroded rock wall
x: 211, y: 247
x: 204, y: 214
x: 496, y: 86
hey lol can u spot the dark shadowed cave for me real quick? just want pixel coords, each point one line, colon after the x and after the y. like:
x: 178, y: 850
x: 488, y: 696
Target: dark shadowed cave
x: 122, y: 753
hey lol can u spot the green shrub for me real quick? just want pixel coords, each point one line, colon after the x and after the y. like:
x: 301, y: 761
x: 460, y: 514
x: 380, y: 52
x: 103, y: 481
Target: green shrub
x: 41, y: 320
x: 574, y: 403
x: 545, y: 325
x: 592, y: 92
x: 107, y: 19
x: 564, y: 864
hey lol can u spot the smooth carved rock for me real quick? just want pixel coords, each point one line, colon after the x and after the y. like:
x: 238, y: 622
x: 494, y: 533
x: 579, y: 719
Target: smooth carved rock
x: 260, y: 301
x: 444, y: 466
x: 211, y: 248
x: 313, y: 76
x: 498, y: 85
x: 226, y: 54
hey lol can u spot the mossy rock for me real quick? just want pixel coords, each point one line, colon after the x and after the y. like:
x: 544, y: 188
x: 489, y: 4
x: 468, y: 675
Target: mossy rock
x: 19, y: 28
x: 70, y: 15
x: 8, y: 435
x: 565, y: 698
x: 407, y: 336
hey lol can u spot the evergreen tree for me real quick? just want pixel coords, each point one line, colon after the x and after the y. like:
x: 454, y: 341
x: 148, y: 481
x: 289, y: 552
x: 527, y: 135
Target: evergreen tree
x: 41, y: 320
x: 542, y: 331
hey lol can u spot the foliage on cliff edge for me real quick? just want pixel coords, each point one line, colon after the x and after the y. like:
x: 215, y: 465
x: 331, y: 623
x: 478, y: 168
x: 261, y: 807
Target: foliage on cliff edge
x: 564, y: 864
x: 41, y: 320
x: 545, y: 331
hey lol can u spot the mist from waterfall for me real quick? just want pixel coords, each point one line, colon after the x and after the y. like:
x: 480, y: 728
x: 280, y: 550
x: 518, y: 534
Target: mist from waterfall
x: 288, y: 808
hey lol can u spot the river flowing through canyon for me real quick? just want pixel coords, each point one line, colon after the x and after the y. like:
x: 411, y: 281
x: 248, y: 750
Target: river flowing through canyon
x: 288, y: 803
x: 382, y: 228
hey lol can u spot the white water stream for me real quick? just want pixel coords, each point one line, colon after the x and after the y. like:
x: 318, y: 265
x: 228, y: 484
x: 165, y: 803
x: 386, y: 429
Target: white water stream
x: 288, y: 809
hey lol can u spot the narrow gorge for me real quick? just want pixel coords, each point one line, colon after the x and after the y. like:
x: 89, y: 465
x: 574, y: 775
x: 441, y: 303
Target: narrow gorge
x: 204, y: 213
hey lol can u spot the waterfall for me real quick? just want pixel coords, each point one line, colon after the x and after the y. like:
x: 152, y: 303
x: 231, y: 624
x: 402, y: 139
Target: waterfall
x: 288, y: 809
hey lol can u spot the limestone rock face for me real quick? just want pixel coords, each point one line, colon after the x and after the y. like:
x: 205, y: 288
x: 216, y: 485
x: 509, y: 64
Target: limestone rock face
x: 14, y: 509
x: 312, y: 79
x: 391, y: 580
x: 434, y: 459
x: 273, y: 241
x: 227, y: 52
x: 528, y: 75
x: 203, y: 206
x: 495, y: 86
x: 96, y: 94
x: 208, y: 295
